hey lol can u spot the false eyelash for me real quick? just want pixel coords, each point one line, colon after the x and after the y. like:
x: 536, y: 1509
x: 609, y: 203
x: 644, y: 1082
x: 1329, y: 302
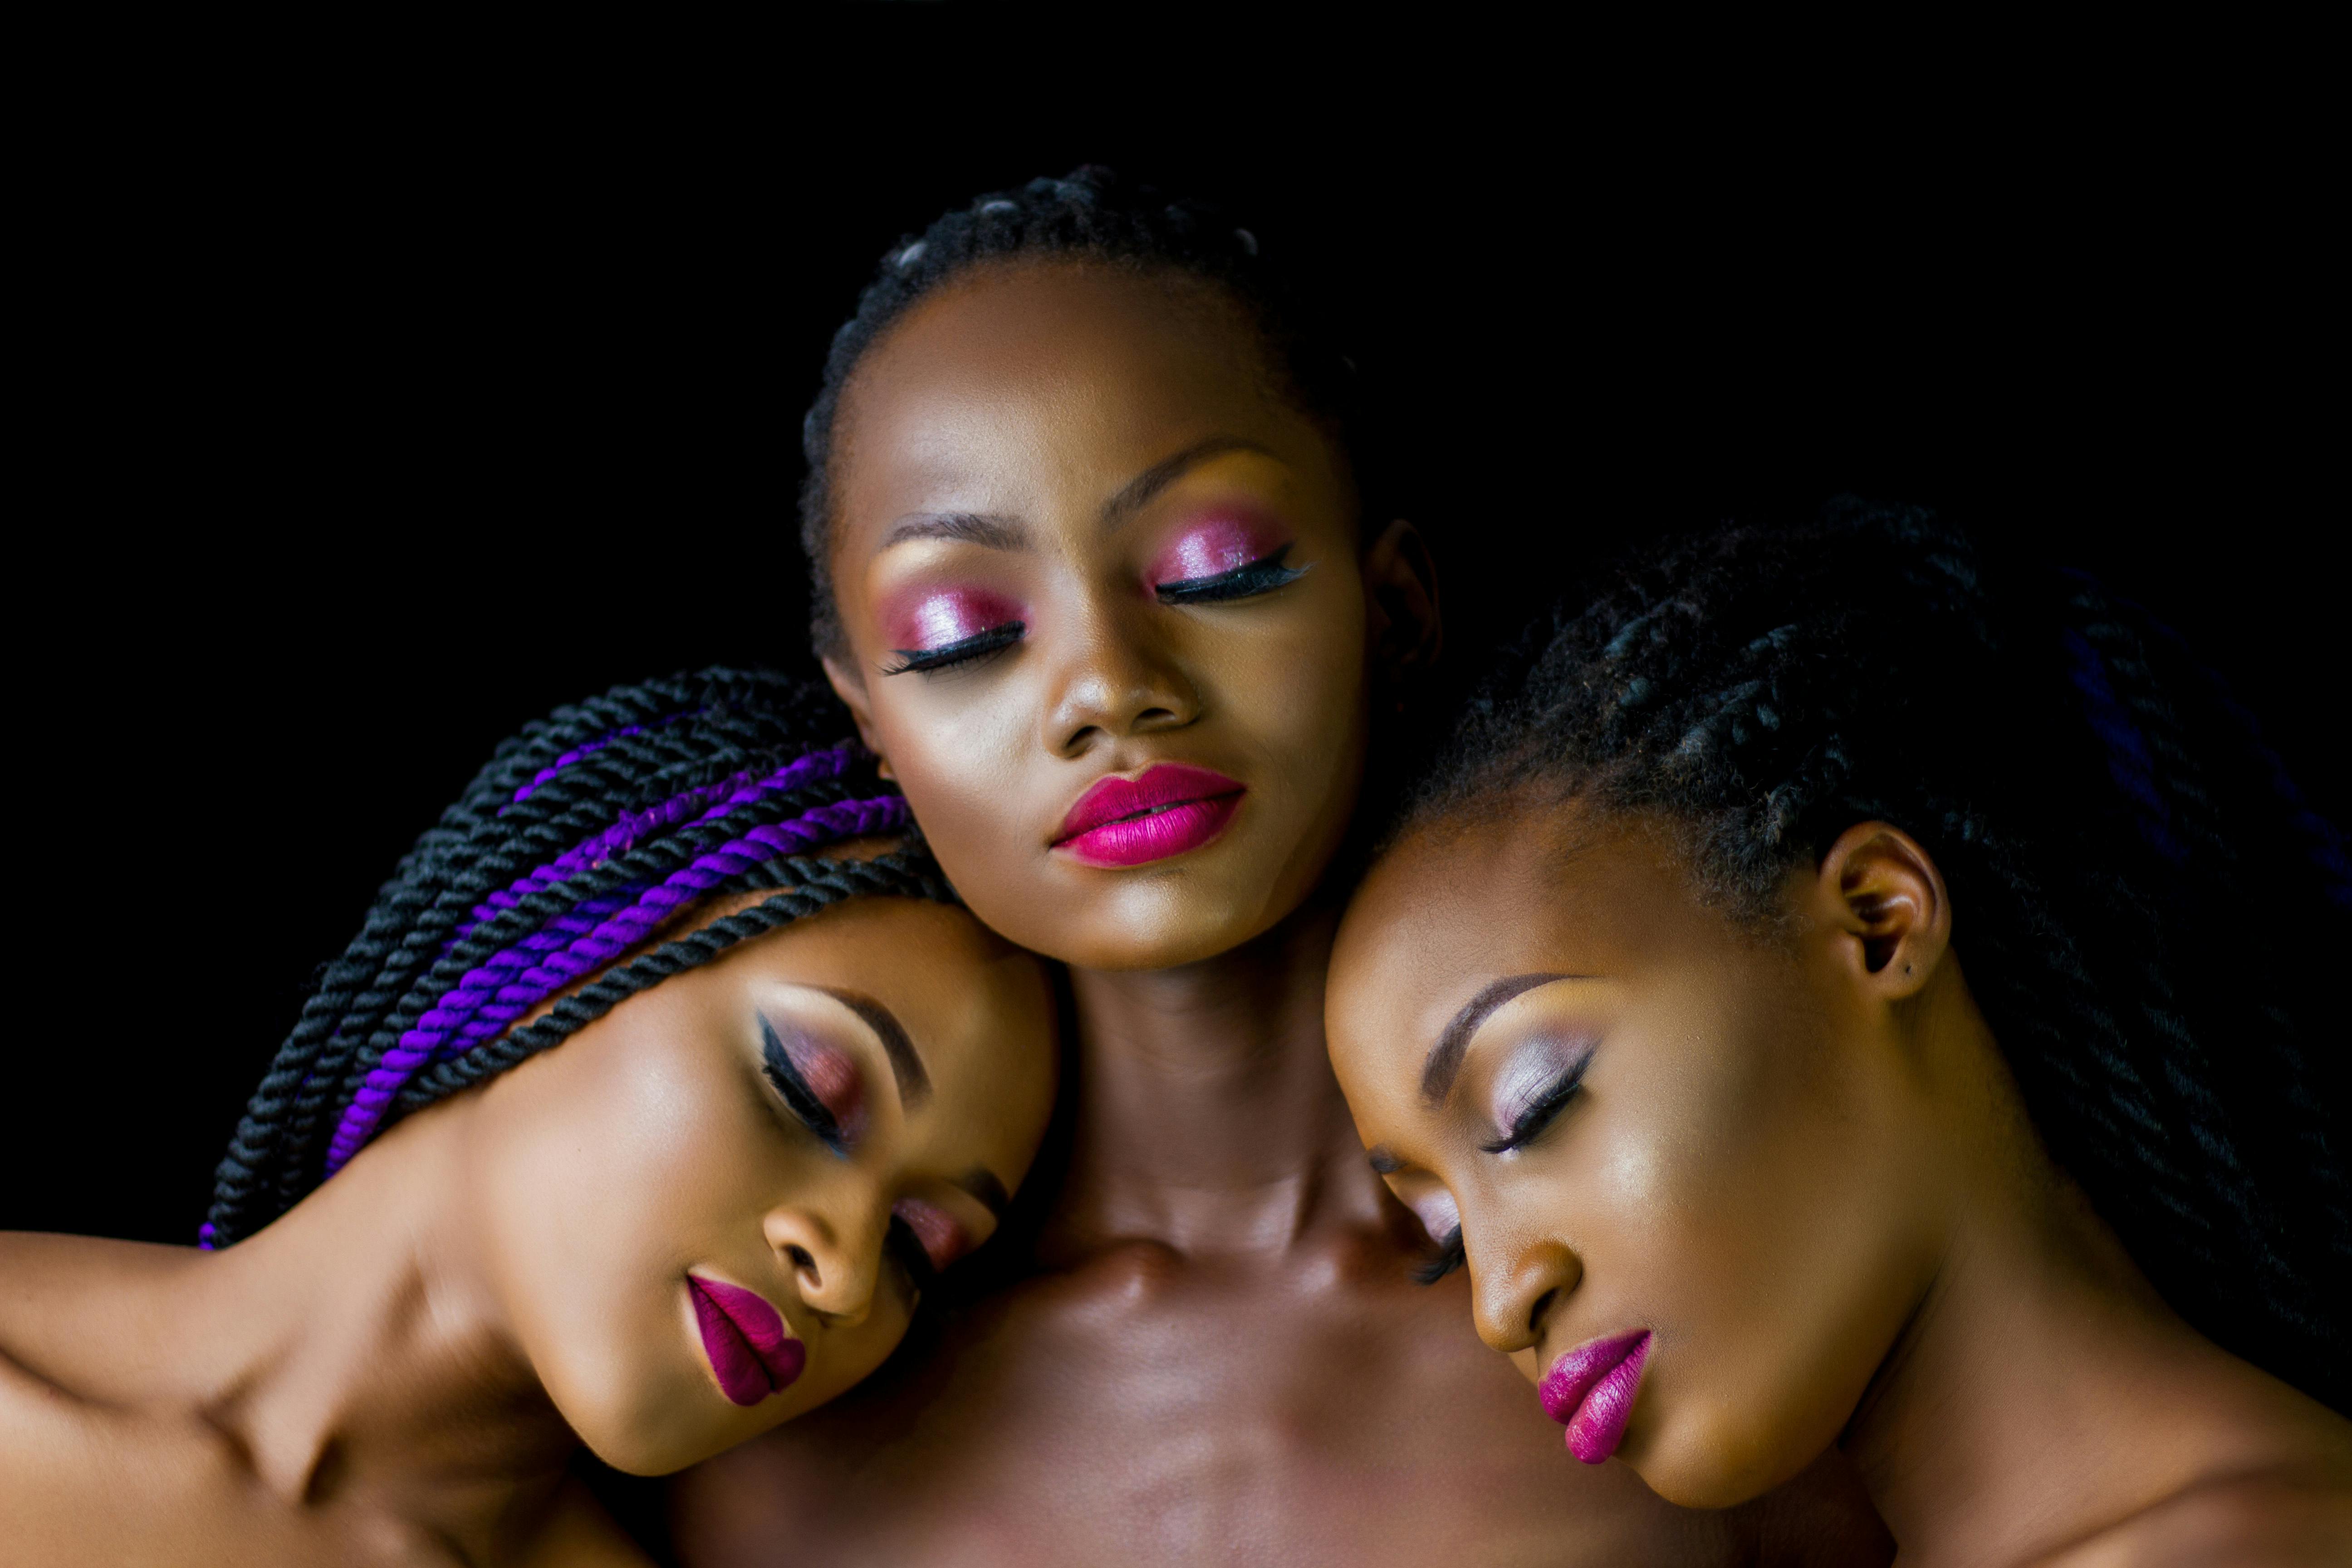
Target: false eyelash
x: 996, y: 639
x: 1529, y: 1124
x: 1262, y: 575
x: 799, y: 1098
x: 905, y: 1250
x: 1448, y: 1257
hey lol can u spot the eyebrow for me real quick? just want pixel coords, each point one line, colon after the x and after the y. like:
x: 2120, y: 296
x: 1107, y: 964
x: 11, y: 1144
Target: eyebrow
x: 981, y: 1183
x: 973, y: 526
x: 1136, y: 493
x: 1446, y: 1056
x: 914, y: 1081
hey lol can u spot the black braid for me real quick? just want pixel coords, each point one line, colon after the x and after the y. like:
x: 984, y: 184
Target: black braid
x: 2145, y: 906
x: 686, y: 747
x: 1093, y: 215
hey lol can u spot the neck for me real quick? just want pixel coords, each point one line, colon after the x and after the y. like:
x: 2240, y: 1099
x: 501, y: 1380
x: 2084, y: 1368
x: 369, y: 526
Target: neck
x: 354, y: 1350
x: 1208, y: 1118
x: 2013, y: 1415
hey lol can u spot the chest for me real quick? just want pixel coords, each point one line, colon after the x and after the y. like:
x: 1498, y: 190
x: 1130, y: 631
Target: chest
x: 1158, y: 1423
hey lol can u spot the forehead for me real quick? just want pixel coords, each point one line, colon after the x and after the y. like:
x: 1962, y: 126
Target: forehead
x: 1019, y: 377
x: 1540, y: 888
x: 957, y: 987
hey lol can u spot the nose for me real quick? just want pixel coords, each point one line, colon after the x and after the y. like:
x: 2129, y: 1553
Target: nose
x: 1117, y: 683
x: 1510, y: 1296
x: 835, y: 1260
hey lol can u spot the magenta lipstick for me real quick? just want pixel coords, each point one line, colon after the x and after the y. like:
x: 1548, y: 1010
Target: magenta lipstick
x: 751, y: 1352
x: 1590, y: 1391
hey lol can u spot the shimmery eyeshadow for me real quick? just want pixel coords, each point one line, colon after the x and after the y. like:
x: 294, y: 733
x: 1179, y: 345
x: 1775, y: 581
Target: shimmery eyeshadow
x: 1210, y: 545
x: 939, y: 616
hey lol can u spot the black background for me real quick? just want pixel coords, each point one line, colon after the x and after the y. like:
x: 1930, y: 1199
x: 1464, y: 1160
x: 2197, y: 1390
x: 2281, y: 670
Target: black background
x: 365, y: 413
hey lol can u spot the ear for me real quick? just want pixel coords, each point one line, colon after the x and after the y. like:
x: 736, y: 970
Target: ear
x: 1886, y: 899
x: 1402, y: 622
x: 850, y: 687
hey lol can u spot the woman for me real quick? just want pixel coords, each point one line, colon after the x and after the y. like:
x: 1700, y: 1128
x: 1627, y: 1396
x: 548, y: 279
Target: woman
x: 1833, y: 996
x: 795, y: 1081
x: 1096, y: 576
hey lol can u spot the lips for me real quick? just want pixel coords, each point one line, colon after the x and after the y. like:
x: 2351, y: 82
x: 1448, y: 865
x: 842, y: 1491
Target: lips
x: 1591, y: 1390
x: 1131, y: 822
x: 750, y: 1350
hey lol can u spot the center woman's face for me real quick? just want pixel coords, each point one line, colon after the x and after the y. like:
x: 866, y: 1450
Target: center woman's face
x: 1683, y: 1161
x: 714, y: 1208
x: 1105, y: 620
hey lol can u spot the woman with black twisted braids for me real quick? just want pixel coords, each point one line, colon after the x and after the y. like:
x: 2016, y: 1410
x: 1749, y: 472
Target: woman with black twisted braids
x: 1834, y: 989
x: 796, y: 1079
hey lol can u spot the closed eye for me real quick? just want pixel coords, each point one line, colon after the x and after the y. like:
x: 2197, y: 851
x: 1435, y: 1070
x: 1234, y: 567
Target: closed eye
x: 1529, y: 1124
x: 964, y: 650
x: 1262, y: 575
x: 1450, y: 1256
x: 799, y: 1098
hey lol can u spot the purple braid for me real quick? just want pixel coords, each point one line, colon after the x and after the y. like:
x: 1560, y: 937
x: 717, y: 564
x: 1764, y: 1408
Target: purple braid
x: 624, y: 835
x: 511, y: 983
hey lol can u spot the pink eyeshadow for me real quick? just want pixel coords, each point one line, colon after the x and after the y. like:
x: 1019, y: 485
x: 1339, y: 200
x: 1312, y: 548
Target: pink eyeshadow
x: 948, y: 616
x: 944, y: 1240
x: 836, y: 1081
x: 1214, y: 545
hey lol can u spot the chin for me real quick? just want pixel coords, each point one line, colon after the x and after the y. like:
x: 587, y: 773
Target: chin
x: 1163, y: 924
x: 1712, y: 1465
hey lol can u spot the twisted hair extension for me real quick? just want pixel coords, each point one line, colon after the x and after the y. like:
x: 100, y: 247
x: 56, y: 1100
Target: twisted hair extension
x: 2145, y: 905
x: 567, y: 854
x: 1093, y: 216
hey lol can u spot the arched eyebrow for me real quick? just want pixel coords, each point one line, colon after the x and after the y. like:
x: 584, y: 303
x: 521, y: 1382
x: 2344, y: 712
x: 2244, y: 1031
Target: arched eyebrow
x: 1136, y: 493
x: 1444, y: 1060
x: 971, y: 527
x: 914, y: 1079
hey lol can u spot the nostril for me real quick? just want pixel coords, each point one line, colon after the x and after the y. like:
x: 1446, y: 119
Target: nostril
x: 801, y: 1258
x: 1535, y: 1314
x: 1155, y: 716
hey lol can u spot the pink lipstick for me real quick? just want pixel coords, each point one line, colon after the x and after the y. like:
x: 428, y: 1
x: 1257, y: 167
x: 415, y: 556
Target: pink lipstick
x: 1132, y: 822
x: 1591, y: 1390
x: 751, y: 1350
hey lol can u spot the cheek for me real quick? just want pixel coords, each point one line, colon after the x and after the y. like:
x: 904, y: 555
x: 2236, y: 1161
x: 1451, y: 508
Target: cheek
x: 932, y: 618
x: 1208, y: 546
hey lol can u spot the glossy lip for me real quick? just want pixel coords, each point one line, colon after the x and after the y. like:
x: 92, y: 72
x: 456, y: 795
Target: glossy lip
x: 1591, y: 1389
x: 1171, y: 808
x: 751, y: 1350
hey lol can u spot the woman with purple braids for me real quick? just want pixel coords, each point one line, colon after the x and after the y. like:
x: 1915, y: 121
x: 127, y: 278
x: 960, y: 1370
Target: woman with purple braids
x: 797, y: 1081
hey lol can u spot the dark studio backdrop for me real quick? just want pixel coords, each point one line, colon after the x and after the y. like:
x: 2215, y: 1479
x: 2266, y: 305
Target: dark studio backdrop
x: 357, y: 429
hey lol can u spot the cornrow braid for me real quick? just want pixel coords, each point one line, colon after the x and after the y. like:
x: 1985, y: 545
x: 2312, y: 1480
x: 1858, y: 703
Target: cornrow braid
x: 2145, y: 902
x: 1092, y: 215
x: 566, y: 857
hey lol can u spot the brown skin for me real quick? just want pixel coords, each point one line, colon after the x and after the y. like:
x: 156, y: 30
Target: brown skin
x: 1220, y: 1355
x: 1799, y: 1159
x: 399, y: 1369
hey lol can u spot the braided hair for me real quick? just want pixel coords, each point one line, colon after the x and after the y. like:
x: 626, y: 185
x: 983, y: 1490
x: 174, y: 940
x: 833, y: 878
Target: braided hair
x: 1091, y: 215
x: 581, y: 839
x: 2146, y: 904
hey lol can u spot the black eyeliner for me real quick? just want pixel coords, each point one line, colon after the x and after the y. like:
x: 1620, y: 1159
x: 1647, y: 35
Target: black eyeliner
x: 1260, y: 576
x: 1529, y: 1124
x: 1450, y: 1256
x: 996, y: 639
x: 799, y: 1098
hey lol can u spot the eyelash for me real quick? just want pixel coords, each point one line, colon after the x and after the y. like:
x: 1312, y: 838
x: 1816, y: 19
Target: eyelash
x: 1449, y: 1256
x: 1262, y: 575
x: 966, y: 650
x: 799, y: 1098
x: 905, y: 1248
x: 1530, y: 1123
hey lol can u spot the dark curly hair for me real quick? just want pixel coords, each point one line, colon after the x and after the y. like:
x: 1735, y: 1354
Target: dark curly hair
x: 582, y: 840
x: 2147, y: 907
x: 1093, y: 215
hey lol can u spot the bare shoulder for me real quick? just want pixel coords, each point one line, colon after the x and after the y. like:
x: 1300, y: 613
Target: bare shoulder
x: 2285, y: 1519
